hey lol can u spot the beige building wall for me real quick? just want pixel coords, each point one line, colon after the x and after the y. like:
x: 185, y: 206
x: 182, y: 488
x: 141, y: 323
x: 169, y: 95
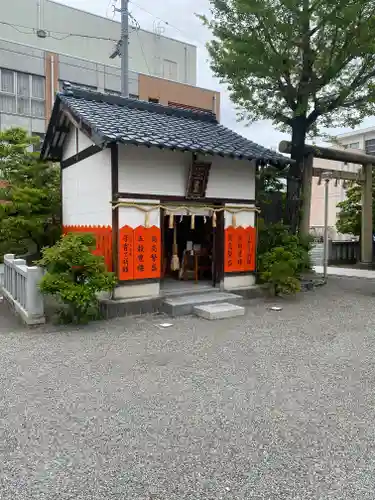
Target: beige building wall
x: 359, y: 140
x: 168, y: 92
x: 336, y: 194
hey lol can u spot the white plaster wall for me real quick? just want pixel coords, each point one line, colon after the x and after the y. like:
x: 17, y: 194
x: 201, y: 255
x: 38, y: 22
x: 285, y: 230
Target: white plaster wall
x: 244, y: 219
x: 231, y: 179
x: 164, y: 172
x: 86, y: 186
x: 133, y: 217
x: 152, y: 170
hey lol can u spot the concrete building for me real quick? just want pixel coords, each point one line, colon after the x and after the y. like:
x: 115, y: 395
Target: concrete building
x: 358, y: 140
x: 76, y: 46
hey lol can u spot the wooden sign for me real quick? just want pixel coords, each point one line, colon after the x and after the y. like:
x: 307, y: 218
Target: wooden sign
x: 230, y: 246
x: 250, y: 242
x: 240, y: 249
x: 126, y: 253
x: 154, y: 252
x: 197, y: 180
x: 147, y: 252
x: 140, y: 253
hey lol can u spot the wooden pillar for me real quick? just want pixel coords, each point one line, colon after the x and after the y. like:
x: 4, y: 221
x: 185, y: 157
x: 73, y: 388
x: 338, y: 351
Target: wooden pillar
x: 306, y: 195
x: 366, y: 225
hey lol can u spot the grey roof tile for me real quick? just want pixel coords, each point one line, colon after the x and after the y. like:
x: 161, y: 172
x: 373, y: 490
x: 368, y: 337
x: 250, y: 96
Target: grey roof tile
x: 129, y: 121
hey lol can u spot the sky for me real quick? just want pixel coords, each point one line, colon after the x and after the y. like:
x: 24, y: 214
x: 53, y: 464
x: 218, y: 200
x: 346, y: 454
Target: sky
x: 182, y: 24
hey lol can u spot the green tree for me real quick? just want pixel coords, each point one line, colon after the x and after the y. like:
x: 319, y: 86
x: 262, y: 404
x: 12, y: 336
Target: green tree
x: 30, y: 196
x: 74, y: 276
x: 349, y: 216
x: 303, y: 64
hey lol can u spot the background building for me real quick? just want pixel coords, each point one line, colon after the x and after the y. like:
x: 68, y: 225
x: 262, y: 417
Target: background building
x: 358, y: 140
x: 76, y: 46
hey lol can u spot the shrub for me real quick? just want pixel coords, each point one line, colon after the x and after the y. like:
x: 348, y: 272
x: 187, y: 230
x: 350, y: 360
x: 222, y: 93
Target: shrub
x: 280, y: 271
x: 74, y: 277
x: 282, y: 257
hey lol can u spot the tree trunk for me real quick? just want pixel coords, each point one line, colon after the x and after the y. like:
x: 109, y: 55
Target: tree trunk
x: 294, y: 181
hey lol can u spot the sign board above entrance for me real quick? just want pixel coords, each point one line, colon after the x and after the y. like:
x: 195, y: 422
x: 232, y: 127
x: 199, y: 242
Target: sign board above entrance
x: 197, y: 180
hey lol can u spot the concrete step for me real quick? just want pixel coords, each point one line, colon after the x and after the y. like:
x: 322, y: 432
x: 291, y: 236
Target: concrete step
x: 184, y: 305
x: 219, y: 311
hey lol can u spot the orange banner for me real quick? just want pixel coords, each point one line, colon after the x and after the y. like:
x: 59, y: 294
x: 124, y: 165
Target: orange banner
x: 147, y: 255
x: 250, y: 243
x: 240, y: 247
x: 230, y: 250
x: 103, y: 237
x: 126, y: 254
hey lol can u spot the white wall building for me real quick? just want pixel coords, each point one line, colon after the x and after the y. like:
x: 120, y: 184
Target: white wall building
x: 145, y: 162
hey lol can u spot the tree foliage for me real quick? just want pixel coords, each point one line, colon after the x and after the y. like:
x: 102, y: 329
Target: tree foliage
x: 74, y: 276
x: 30, y: 196
x: 350, y: 213
x: 302, y: 64
x: 281, y: 257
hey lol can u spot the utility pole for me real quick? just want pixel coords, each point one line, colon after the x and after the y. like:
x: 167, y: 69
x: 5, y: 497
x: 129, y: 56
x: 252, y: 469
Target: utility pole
x: 124, y: 46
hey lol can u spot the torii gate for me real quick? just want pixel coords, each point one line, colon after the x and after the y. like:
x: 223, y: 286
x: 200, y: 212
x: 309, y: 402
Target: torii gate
x: 364, y: 177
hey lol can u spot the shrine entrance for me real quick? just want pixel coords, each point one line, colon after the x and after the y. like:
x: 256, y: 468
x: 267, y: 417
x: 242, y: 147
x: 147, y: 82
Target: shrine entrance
x: 192, y: 248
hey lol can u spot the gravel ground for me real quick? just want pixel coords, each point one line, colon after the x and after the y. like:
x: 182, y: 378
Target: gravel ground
x: 272, y: 406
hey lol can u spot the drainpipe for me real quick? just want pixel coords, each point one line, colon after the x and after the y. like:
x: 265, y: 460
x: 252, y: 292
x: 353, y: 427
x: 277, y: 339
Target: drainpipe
x: 214, y: 104
x: 52, y: 81
x: 186, y: 69
x: 38, y: 15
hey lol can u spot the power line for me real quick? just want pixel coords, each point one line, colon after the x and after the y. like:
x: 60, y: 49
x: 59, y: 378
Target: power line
x: 20, y: 27
x: 185, y: 33
x: 69, y: 64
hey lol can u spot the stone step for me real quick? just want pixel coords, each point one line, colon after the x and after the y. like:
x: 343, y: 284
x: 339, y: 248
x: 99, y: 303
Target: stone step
x: 184, y: 304
x: 219, y: 311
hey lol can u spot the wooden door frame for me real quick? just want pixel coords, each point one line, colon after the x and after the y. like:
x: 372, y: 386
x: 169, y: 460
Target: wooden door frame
x: 218, y: 244
x: 218, y: 250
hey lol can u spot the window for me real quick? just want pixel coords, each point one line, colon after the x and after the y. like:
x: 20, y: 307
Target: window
x: 370, y: 146
x: 7, y: 81
x: 354, y: 145
x: 169, y: 69
x: 80, y: 85
x: 22, y: 93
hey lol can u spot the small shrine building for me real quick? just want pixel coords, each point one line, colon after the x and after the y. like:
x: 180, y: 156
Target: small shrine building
x: 169, y: 193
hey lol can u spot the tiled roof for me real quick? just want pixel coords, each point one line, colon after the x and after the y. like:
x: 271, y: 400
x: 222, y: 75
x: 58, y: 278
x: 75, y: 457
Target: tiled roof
x: 119, y: 119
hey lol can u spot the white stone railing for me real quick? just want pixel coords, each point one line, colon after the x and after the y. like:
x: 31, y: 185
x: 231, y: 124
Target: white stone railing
x: 20, y: 288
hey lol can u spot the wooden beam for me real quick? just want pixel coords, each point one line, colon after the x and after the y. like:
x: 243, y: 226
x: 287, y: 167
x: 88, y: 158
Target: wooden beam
x: 331, y: 154
x: 115, y: 211
x: 340, y: 174
x: 82, y: 155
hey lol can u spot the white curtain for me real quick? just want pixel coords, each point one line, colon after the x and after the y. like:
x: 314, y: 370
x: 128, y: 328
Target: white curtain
x: 38, y: 87
x: 37, y: 108
x: 23, y: 84
x: 7, y: 81
x: 7, y: 103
